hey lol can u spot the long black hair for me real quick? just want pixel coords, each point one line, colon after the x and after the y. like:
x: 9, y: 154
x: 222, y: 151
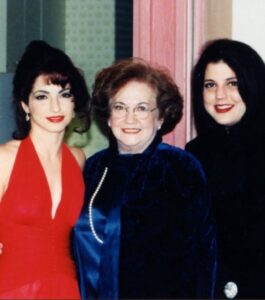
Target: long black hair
x: 250, y: 72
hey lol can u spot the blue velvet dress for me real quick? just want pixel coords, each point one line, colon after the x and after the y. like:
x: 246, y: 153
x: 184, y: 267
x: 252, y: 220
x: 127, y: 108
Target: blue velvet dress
x: 152, y: 215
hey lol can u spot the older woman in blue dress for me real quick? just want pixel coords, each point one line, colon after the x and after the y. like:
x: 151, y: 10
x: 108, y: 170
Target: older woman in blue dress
x: 145, y: 230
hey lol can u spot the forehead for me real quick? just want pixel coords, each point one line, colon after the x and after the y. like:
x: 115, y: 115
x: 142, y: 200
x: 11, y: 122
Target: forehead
x: 218, y: 70
x: 135, y: 92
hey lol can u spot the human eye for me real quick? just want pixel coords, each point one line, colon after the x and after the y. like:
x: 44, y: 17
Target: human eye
x: 66, y: 94
x: 142, y: 108
x: 208, y: 84
x: 118, y: 107
x: 233, y: 83
x: 40, y: 96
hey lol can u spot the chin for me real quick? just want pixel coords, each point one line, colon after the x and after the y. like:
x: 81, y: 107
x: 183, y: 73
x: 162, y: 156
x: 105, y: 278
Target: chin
x: 227, y: 123
x: 224, y: 122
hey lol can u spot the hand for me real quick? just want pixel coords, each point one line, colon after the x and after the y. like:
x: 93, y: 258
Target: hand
x: 1, y: 248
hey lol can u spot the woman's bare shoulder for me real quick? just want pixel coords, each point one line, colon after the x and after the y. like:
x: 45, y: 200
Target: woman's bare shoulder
x: 79, y: 156
x: 9, y: 150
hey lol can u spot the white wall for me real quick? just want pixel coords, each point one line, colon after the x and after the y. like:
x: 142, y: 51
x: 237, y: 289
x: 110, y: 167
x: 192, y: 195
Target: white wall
x: 248, y: 23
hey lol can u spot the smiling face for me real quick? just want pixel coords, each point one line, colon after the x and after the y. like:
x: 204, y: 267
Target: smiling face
x: 133, y: 133
x: 221, y: 95
x: 50, y: 106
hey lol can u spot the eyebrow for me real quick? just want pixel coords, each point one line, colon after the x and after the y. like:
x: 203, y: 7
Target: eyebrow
x: 47, y: 92
x: 120, y: 101
x: 40, y: 91
x: 229, y: 78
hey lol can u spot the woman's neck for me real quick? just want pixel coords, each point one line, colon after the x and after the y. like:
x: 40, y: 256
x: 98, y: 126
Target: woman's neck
x: 47, y: 145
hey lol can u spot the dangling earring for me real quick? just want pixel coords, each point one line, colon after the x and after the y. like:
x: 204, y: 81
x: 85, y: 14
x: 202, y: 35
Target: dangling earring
x: 160, y: 125
x: 27, y: 117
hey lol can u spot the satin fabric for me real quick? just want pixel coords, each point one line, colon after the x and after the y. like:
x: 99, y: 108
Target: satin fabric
x: 153, y: 216
x: 99, y: 282
x: 36, y: 256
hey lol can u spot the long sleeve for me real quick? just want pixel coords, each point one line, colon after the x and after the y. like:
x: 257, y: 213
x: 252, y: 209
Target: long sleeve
x: 186, y: 178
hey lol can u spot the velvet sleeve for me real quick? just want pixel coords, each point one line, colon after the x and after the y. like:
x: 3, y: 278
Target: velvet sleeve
x: 185, y: 177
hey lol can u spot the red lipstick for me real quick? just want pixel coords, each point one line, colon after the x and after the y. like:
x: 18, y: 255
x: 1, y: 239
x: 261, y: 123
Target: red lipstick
x: 223, y: 108
x: 55, y: 119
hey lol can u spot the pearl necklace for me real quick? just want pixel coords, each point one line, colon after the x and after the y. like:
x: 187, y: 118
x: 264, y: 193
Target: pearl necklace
x: 90, y: 207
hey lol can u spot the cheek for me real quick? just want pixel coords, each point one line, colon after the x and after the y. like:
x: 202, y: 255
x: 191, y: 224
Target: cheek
x: 242, y: 108
x: 207, y: 97
x: 239, y: 102
x: 238, y: 98
x: 71, y: 105
x: 208, y: 100
x: 112, y: 122
x: 71, y: 109
x: 207, y: 105
x: 151, y: 125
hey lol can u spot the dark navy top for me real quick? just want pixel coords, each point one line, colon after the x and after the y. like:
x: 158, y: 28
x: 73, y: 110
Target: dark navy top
x: 152, y: 214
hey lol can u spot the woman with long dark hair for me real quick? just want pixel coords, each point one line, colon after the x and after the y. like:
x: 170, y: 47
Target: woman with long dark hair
x: 228, y: 94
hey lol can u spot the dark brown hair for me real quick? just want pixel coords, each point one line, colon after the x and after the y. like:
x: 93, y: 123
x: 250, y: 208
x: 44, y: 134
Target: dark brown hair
x: 110, y: 80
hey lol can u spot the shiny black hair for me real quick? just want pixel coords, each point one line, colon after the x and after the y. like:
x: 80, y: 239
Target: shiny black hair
x: 250, y: 72
x: 38, y: 59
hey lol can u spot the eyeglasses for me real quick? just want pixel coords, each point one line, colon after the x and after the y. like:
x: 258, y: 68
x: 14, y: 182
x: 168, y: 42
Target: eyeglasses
x: 141, y: 111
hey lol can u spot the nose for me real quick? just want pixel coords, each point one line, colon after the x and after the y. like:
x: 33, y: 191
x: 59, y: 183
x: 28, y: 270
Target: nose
x: 55, y: 104
x: 220, y: 92
x: 130, y: 116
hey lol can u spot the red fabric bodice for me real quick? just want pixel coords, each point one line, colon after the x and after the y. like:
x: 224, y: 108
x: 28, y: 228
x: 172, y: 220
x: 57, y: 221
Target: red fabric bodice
x: 36, y: 261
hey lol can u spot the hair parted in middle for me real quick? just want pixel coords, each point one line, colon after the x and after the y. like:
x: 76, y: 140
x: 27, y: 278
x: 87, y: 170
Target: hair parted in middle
x: 110, y: 80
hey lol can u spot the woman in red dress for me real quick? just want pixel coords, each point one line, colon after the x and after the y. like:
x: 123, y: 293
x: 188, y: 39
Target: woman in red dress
x: 41, y: 185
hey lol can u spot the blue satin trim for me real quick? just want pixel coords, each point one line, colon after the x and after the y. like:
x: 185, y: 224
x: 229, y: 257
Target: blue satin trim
x: 98, y: 264
x: 94, y: 248
x: 109, y: 270
x: 87, y: 252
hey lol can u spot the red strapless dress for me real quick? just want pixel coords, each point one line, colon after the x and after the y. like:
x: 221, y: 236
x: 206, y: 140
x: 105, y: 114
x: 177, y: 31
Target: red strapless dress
x: 36, y: 262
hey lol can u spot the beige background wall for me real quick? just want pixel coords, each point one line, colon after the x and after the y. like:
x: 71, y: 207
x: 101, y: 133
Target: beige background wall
x: 218, y: 19
x: 242, y: 20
